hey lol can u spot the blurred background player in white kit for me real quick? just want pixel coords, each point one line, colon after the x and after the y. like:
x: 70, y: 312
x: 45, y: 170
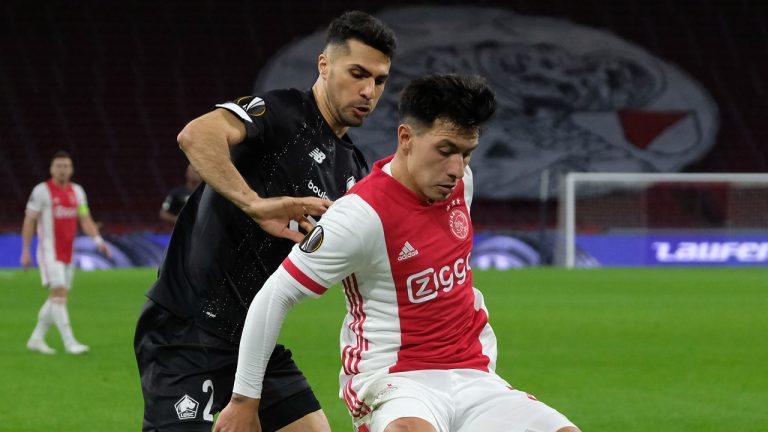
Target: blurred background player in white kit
x: 417, y: 349
x: 53, y: 210
x: 178, y: 196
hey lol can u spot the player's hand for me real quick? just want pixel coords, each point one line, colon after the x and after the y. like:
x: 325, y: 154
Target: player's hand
x: 240, y: 415
x: 26, y: 259
x: 273, y: 214
x: 104, y: 249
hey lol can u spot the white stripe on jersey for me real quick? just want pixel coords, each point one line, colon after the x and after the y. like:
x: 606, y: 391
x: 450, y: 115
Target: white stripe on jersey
x: 236, y: 109
x: 469, y: 187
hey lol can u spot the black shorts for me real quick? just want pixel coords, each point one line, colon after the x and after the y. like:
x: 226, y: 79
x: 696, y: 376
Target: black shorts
x: 187, y: 376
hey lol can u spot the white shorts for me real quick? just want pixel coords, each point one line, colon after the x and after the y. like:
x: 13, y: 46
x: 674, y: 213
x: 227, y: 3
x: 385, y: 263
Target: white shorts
x: 55, y: 274
x: 461, y: 400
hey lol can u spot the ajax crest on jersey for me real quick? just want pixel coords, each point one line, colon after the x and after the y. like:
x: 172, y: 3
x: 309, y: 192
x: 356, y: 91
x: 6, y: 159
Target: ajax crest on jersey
x: 459, y: 224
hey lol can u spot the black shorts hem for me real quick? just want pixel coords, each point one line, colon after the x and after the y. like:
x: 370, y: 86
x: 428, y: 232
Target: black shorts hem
x: 288, y: 410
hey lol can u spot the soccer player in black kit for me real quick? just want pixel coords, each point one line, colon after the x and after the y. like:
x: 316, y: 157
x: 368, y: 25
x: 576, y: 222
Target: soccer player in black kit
x: 266, y: 160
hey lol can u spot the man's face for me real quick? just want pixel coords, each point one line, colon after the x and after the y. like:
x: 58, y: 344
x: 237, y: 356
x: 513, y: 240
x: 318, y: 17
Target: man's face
x: 61, y: 170
x: 356, y: 75
x: 436, y: 157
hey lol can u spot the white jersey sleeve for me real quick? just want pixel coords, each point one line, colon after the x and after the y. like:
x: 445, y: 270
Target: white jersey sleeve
x: 38, y: 200
x: 334, y: 249
x: 262, y: 325
x: 82, y: 200
x: 338, y: 246
x: 469, y: 186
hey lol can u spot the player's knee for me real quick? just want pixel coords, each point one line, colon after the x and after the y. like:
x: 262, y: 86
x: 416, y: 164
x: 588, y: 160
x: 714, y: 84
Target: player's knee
x: 59, y: 293
x: 409, y: 424
x: 312, y: 422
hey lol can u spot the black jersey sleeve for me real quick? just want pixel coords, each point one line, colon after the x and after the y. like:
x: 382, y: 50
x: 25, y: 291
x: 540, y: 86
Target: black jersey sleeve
x: 252, y: 110
x: 176, y: 200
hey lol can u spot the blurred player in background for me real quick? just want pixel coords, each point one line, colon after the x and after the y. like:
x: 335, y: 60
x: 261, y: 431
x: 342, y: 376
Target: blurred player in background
x: 53, y: 210
x: 257, y: 155
x: 418, y: 352
x: 176, y: 199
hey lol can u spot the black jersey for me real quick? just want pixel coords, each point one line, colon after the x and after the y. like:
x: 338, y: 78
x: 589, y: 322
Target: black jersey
x: 176, y: 199
x: 218, y: 257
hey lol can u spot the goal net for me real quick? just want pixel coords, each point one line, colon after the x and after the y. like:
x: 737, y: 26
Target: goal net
x: 647, y: 219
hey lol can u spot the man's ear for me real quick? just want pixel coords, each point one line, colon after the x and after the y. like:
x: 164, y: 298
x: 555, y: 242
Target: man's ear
x: 405, y: 137
x: 323, y: 64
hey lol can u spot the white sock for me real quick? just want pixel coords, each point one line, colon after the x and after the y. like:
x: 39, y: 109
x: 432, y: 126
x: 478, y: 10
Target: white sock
x: 61, y: 319
x: 44, y: 321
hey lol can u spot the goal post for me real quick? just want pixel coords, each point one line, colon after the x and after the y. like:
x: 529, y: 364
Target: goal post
x: 639, y: 219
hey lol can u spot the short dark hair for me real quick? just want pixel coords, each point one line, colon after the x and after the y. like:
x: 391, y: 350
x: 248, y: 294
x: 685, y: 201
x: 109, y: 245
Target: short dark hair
x: 61, y: 154
x: 465, y: 101
x: 363, y: 27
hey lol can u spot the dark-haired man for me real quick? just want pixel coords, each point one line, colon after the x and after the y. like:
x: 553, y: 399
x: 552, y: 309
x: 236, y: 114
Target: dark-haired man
x: 418, y: 353
x: 257, y: 155
x: 53, y: 210
x: 179, y: 195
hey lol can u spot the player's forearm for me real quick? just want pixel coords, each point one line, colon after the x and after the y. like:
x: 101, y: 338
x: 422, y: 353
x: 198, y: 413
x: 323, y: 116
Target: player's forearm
x: 27, y: 231
x: 206, y: 141
x: 167, y: 216
x: 262, y: 326
x: 89, y: 226
x: 220, y: 174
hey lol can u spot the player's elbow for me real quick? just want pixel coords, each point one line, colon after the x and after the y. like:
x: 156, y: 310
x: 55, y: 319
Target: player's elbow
x: 199, y: 130
x: 185, y: 138
x: 216, y: 130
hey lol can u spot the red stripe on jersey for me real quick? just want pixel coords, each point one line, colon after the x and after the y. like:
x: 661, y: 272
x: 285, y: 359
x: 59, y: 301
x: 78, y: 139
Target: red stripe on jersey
x: 362, y: 342
x: 351, y: 355
x: 64, y: 212
x: 353, y: 410
x: 352, y: 311
x: 355, y: 406
x: 303, y: 279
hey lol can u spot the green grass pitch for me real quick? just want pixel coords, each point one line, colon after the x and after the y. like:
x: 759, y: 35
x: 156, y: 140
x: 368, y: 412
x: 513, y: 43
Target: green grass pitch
x: 613, y: 349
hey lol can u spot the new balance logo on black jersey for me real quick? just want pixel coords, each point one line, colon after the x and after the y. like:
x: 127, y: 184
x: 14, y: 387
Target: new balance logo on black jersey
x: 317, y: 155
x: 407, y: 252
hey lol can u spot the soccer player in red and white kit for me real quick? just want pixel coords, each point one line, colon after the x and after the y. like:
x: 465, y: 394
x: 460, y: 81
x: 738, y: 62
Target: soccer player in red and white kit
x: 53, y: 210
x: 418, y: 352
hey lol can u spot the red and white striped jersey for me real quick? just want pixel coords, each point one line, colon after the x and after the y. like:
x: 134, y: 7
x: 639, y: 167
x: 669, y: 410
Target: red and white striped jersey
x: 56, y: 210
x: 404, y: 267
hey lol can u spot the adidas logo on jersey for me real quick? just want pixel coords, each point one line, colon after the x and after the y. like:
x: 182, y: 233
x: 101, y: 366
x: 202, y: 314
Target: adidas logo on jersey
x: 317, y: 155
x: 407, y: 252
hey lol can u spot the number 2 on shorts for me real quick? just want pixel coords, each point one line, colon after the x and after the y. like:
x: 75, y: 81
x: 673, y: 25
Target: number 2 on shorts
x: 207, y: 415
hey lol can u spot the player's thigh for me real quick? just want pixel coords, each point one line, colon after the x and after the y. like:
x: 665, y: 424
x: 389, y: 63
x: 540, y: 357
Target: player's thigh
x: 312, y: 422
x: 404, y: 414
x: 184, y: 379
x: 55, y: 274
x: 287, y: 400
x: 61, y: 290
x: 489, y: 404
x: 423, y: 395
x: 184, y: 401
